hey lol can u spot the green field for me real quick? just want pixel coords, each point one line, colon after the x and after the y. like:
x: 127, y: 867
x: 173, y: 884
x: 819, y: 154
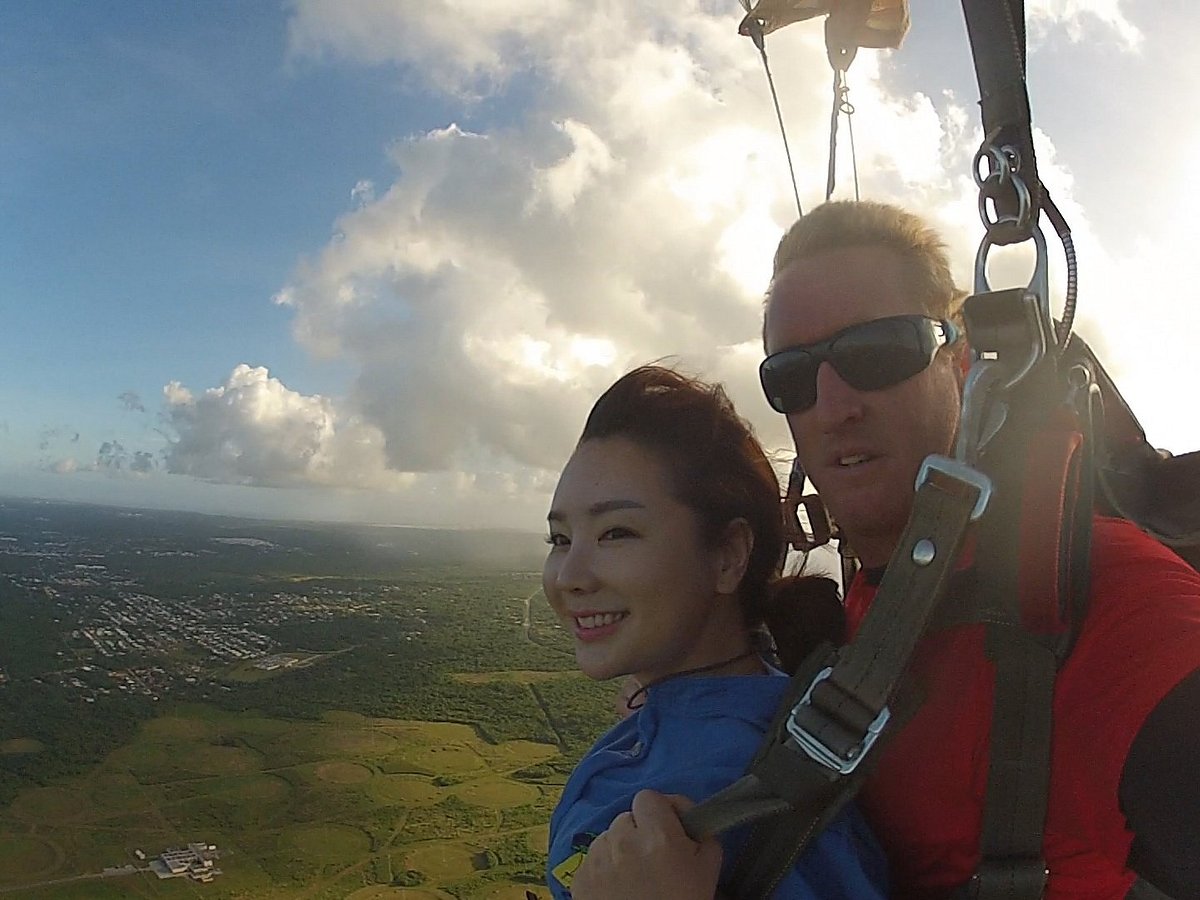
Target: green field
x: 417, y: 716
x: 348, y: 806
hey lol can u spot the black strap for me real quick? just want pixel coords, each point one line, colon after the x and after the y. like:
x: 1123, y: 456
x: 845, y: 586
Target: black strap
x: 1160, y: 794
x: 839, y: 702
x: 1144, y: 890
x: 996, y: 29
x: 1013, y: 866
x: 774, y: 845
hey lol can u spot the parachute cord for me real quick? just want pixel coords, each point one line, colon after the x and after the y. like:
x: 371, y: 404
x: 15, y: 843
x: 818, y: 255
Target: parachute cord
x: 754, y: 27
x: 831, y: 174
x: 848, y: 109
x: 841, y: 106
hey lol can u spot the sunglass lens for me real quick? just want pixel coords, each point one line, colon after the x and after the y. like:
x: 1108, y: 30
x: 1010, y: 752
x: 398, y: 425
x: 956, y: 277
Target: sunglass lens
x: 878, y: 366
x: 789, y: 380
x: 880, y: 354
x: 868, y: 357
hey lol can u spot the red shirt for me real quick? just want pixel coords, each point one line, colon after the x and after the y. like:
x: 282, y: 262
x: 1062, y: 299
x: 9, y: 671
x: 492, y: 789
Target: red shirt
x: 1141, y: 637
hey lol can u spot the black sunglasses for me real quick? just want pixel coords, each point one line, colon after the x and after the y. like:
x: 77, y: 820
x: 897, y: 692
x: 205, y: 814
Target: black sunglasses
x: 869, y: 356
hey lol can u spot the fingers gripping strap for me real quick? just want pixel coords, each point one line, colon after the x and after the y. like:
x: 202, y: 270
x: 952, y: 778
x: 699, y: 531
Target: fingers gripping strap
x: 746, y: 800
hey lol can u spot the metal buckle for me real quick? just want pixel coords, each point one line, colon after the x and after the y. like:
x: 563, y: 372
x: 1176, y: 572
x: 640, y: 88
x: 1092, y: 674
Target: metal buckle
x: 820, y: 752
x: 960, y: 472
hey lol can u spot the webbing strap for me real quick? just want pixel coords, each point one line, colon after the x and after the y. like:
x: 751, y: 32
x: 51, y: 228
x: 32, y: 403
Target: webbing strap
x: 1013, y: 867
x: 1144, y: 890
x: 996, y: 29
x: 773, y: 845
x: 1031, y: 581
x: 838, y: 703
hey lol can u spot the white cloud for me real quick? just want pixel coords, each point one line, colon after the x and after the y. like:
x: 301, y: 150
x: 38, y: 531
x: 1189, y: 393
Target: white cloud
x: 460, y: 46
x: 627, y: 212
x: 1084, y: 20
x: 501, y: 282
x: 254, y: 430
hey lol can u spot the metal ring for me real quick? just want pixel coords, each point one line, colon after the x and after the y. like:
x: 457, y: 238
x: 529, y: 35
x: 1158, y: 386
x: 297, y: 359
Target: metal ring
x: 999, y: 163
x: 990, y: 190
x: 1039, y: 282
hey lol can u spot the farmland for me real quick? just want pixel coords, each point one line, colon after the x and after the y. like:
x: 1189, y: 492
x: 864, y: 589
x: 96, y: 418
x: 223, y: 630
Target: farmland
x: 400, y: 732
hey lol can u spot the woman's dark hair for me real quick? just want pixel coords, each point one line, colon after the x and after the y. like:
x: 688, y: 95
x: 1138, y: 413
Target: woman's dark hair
x: 718, y: 468
x: 804, y: 611
x: 715, y: 464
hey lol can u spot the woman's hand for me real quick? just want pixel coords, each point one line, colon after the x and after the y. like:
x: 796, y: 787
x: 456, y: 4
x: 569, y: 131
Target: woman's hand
x: 646, y: 853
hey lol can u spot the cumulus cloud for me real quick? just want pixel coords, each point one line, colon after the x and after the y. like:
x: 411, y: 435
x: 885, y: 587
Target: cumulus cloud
x: 465, y: 47
x: 504, y: 278
x: 624, y: 210
x: 142, y: 462
x: 252, y: 430
x: 363, y: 193
x: 111, y: 456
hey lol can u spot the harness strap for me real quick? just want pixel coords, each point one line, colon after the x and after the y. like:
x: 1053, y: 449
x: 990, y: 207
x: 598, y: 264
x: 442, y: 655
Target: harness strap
x: 1144, y: 890
x: 773, y: 845
x: 1030, y: 582
x: 838, y: 704
x: 996, y: 29
x: 1013, y: 866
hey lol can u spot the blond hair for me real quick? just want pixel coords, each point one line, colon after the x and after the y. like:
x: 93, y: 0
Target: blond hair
x: 841, y: 224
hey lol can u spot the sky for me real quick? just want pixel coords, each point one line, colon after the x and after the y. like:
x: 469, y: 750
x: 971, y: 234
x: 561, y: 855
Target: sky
x: 373, y: 260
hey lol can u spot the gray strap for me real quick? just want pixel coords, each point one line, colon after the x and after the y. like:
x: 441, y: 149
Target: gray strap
x: 1013, y: 866
x: 809, y: 765
x: 1144, y: 890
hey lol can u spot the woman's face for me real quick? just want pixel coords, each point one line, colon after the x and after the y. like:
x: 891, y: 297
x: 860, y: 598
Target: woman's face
x: 628, y: 572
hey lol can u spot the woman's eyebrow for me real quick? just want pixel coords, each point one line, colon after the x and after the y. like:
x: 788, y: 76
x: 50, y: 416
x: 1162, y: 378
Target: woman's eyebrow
x: 598, y: 508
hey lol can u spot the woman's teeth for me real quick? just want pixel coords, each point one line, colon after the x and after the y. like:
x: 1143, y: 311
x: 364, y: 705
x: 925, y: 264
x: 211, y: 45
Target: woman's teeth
x: 599, y: 620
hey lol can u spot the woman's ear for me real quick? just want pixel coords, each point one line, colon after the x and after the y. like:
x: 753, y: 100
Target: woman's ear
x: 733, y: 555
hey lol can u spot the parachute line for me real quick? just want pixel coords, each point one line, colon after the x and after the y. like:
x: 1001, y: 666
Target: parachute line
x: 841, y: 106
x: 755, y: 28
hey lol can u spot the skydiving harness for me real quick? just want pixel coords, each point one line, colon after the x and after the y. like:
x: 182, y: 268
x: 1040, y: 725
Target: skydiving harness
x: 1045, y: 440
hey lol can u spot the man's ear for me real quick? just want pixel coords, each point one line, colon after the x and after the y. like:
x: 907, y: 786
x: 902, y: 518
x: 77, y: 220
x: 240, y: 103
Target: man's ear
x: 733, y: 555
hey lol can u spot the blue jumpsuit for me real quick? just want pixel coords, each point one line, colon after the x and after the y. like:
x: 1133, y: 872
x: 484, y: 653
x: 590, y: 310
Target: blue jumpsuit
x: 694, y: 736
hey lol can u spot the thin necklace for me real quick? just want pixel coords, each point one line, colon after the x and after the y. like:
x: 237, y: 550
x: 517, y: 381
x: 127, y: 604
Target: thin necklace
x: 699, y: 670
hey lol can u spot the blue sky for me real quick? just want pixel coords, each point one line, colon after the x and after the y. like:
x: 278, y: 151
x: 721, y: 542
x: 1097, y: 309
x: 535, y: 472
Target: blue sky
x: 372, y: 261
x: 167, y: 171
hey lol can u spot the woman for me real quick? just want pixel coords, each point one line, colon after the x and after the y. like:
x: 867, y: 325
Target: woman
x: 665, y: 538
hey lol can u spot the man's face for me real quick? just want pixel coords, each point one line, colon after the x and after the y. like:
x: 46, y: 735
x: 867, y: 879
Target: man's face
x: 862, y: 449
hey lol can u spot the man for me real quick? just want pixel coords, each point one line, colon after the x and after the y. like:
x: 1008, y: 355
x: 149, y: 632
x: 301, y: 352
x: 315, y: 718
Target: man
x: 1123, y: 800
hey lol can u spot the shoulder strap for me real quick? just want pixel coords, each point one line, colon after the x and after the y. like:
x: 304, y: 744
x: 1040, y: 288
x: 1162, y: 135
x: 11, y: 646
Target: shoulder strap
x: 841, y: 702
